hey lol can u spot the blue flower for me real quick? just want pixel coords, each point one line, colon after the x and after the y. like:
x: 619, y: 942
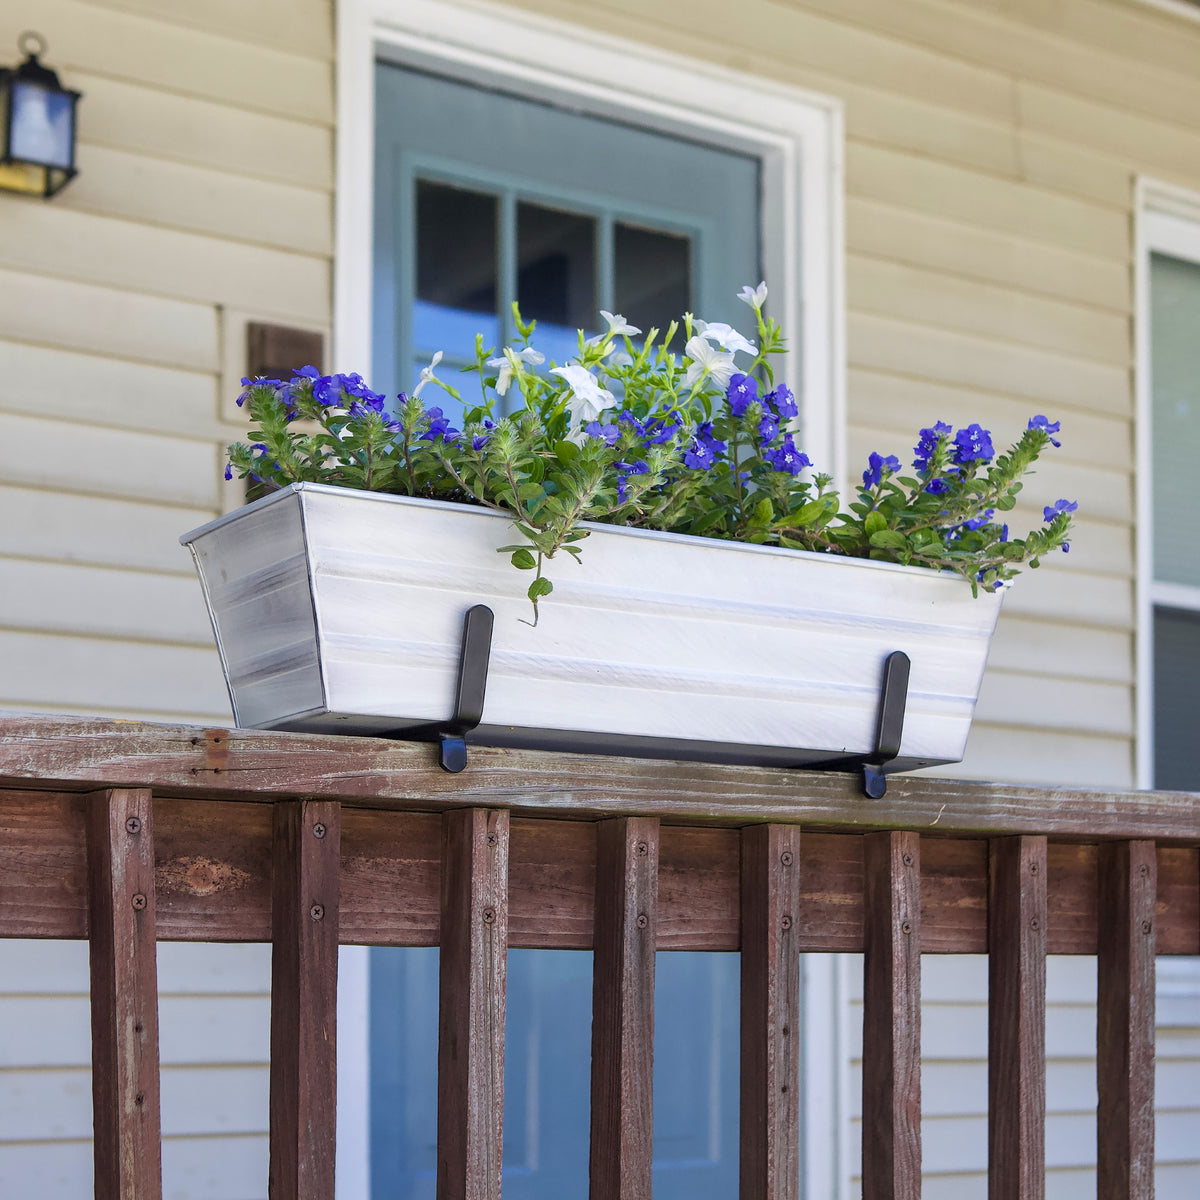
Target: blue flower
x: 700, y: 457
x: 306, y: 373
x: 327, y: 390
x: 1059, y: 506
x: 787, y: 457
x: 641, y: 467
x: 873, y: 475
x: 928, y: 444
x: 229, y: 470
x: 973, y: 443
x: 768, y: 430
x: 782, y: 401
x: 704, y: 435
x: 630, y: 419
x: 480, y: 440
x: 1049, y: 428
x: 935, y: 487
x: 659, y: 431
x: 1004, y: 533
x: 609, y: 433
x: 1066, y: 547
x: 742, y: 392
x: 980, y: 521
x: 439, y: 427
x: 258, y: 381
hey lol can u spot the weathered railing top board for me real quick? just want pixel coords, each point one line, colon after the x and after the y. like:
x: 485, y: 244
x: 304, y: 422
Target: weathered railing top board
x: 127, y: 833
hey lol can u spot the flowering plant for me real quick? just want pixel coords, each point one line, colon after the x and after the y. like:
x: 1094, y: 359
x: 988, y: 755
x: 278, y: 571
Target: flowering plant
x: 631, y: 433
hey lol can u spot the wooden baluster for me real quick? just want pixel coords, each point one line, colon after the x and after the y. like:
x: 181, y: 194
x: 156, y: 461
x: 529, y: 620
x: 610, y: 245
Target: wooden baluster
x: 306, y: 859
x: 1128, y: 882
x: 892, y: 1017
x: 770, y: 1087
x: 1017, y: 915
x: 124, y: 981
x: 474, y: 972
x: 623, y: 1008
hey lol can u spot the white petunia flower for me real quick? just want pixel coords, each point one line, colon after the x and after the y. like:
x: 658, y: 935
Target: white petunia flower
x: 427, y: 375
x: 725, y: 336
x: 755, y: 297
x: 717, y: 365
x: 585, y: 387
x: 512, y: 362
x: 617, y: 327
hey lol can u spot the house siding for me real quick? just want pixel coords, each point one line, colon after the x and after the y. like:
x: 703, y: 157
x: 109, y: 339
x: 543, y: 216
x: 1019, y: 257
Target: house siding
x: 991, y: 151
x: 205, y: 198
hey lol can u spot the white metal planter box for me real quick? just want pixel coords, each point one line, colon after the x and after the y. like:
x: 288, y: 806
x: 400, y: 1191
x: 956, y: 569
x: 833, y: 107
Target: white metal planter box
x: 342, y: 611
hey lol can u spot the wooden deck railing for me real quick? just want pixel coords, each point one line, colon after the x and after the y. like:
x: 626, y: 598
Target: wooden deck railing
x: 128, y: 834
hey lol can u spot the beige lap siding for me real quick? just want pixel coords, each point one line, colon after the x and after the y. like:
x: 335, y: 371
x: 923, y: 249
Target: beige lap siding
x: 206, y: 185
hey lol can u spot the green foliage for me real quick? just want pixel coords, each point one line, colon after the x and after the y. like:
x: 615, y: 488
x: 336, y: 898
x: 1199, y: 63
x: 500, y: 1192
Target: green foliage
x: 631, y: 433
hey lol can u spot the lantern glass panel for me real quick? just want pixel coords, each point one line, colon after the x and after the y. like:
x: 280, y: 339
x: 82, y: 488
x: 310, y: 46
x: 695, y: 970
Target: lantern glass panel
x: 42, y: 123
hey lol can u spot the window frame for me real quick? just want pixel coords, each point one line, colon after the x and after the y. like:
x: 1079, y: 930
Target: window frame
x: 1168, y: 222
x: 799, y: 137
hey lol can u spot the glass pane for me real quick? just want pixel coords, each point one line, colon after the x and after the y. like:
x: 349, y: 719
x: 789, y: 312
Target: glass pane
x: 696, y: 1031
x: 653, y: 284
x: 456, y: 269
x: 1176, y: 669
x: 41, y: 128
x: 556, y: 276
x: 1175, y: 364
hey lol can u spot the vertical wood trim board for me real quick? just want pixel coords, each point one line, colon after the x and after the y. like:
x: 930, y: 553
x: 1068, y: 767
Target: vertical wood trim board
x: 124, y: 996
x: 473, y: 973
x: 1017, y: 918
x: 623, y: 1008
x: 306, y: 860
x: 770, y: 1064
x: 1128, y: 896
x: 891, y: 1167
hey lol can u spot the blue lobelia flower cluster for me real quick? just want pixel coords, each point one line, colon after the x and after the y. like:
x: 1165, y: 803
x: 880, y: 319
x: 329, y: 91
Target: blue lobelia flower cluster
x: 631, y: 432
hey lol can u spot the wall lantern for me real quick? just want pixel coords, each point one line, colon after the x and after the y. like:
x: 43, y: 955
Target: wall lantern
x: 37, y: 125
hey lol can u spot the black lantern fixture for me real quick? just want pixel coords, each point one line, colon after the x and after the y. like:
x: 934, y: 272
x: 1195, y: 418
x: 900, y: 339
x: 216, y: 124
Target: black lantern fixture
x: 37, y: 125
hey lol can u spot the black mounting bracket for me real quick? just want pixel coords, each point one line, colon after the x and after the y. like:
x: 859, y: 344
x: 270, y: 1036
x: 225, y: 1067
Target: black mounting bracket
x: 893, y: 696
x: 472, y: 683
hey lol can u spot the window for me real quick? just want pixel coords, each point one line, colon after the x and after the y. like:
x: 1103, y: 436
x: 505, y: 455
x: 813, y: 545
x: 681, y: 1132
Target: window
x: 1171, y: 416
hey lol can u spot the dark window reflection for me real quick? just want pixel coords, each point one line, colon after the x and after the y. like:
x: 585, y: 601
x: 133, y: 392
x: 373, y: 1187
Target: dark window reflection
x: 1176, y: 666
x: 456, y: 269
x: 556, y: 276
x: 653, y: 284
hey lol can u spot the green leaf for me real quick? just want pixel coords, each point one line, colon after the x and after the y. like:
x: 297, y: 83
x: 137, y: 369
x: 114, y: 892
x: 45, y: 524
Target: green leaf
x: 874, y: 523
x: 527, y: 491
x: 888, y: 539
x: 523, y: 560
x: 764, y: 510
x: 539, y: 587
x: 566, y: 452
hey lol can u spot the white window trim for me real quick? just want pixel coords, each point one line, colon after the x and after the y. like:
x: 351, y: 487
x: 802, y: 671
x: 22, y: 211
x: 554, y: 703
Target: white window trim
x: 799, y: 137
x: 1168, y: 222
x: 1178, y: 8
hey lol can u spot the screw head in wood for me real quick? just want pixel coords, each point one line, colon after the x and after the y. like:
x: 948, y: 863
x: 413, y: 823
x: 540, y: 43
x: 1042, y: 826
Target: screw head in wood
x: 134, y: 825
x: 908, y: 860
x: 906, y: 927
x: 786, y: 922
x: 317, y: 912
x: 140, y: 1099
x: 138, y: 901
x: 1035, y: 924
x: 1146, y: 927
x: 786, y: 858
x: 489, y: 915
x: 1033, y: 868
x: 318, y: 830
x: 642, y: 921
x: 642, y: 849
x: 492, y: 839
x: 1143, y: 870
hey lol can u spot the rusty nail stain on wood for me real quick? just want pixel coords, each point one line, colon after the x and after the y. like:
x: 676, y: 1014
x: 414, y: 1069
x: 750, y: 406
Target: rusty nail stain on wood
x: 200, y: 876
x: 138, y: 901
